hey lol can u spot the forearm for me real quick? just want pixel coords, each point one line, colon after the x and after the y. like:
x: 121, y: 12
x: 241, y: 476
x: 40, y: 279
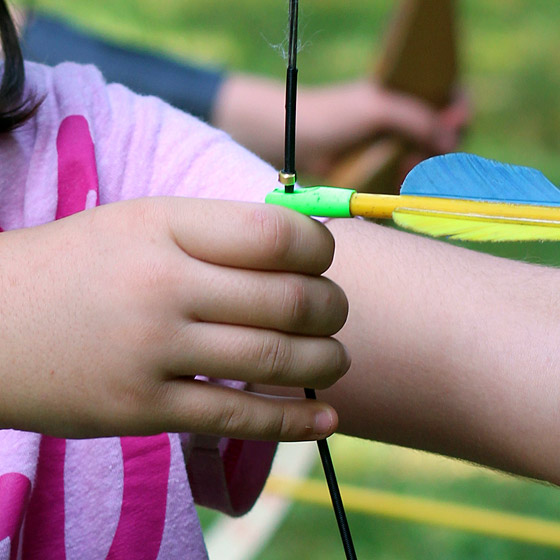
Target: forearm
x: 331, y: 119
x: 453, y: 351
x: 251, y: 109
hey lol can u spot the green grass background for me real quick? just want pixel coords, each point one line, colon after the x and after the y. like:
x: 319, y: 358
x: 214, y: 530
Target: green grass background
x: 511, y: 69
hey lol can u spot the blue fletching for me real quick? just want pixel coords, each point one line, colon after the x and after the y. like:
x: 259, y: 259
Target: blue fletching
x: 471, y: 177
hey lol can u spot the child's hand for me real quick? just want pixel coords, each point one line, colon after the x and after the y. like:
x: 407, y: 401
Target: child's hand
x: 333, y: 120
x: 108, y: 315
x: 366, y: 111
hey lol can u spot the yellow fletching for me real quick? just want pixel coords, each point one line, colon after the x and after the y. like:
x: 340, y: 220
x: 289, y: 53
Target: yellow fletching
x: 475, y: 228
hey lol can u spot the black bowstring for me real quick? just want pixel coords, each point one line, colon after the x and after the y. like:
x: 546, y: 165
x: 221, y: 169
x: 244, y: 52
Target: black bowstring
x: 334, y: 491
x: 290, y: 171
x: 291, y: 100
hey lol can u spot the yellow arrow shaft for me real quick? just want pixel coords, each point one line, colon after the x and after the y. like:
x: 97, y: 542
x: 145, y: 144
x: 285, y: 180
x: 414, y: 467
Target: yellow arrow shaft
x: 381, y: 206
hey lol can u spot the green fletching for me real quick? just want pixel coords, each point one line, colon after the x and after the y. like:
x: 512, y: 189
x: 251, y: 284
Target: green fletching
x: 327, y: 202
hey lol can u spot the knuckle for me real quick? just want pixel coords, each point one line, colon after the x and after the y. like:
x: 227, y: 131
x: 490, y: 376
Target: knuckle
x: 276, y: 232
x: 143, y: 213
x: 274, y: 359
x: 147, y: 268
x: 158, y: 277
x: 230, y: 420
x: 279, y: 426
x: 296, y: 306
x: 237, y: 420
x: 132, y: 397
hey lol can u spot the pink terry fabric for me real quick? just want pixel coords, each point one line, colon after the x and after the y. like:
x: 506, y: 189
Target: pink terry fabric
x: 14, y: 496
x: 117, y: 498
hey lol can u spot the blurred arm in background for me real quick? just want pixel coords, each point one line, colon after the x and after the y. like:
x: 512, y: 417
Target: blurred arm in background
x: 331, y: 119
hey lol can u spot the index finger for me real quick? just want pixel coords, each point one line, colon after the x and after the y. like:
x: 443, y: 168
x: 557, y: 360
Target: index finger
x: 252, y: 236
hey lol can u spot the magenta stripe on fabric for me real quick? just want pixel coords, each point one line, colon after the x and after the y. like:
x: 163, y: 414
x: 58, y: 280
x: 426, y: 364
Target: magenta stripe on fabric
x: 146, y: 463
x: 77, y: 171
x: 43, y: 535
x: 14, y: 494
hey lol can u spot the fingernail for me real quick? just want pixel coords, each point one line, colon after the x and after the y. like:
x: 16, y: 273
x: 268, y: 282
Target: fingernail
x: 324, y: 422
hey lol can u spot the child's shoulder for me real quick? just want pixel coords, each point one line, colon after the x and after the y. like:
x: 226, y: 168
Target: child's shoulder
x: 63, y: 85
x: 143, y: 146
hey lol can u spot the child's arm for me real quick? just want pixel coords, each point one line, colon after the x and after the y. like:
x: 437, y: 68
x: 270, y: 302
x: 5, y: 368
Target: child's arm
x: 452, y: 351
x: 331, y: 119
x: 107, y: 316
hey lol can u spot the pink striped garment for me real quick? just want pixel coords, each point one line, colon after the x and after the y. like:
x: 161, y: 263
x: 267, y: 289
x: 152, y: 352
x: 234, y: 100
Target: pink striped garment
x: 132, y: 497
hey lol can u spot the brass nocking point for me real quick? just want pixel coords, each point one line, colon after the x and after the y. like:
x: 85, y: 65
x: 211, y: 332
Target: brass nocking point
x: 287, y: 179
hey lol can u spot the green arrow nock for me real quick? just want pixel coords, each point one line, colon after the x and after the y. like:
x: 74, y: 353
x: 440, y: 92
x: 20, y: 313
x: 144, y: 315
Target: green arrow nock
x: 327, y: 202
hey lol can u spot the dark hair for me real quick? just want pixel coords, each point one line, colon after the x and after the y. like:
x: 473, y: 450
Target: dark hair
x: 14, y: 108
